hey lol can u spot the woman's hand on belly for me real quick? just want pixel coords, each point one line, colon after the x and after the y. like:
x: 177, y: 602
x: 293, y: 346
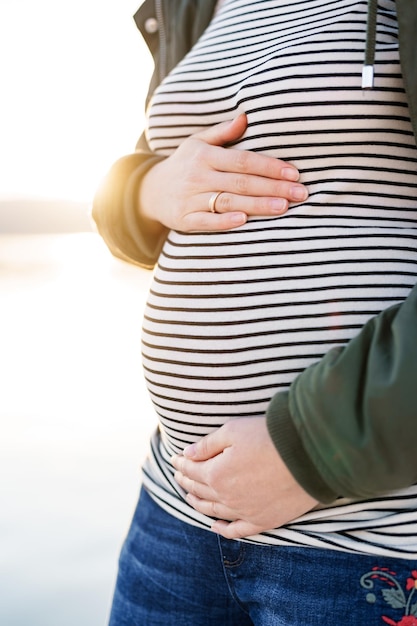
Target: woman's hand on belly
x: 176, y: 192
x: 235, y: 474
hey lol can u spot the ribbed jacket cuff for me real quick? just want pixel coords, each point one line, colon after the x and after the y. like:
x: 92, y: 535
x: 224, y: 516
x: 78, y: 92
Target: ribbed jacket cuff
x: 289, y: 445
x: 115, y: 211
x: 149, y: 247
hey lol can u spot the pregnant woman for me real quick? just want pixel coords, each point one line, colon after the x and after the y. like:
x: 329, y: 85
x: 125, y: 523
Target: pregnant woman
x: 276, y: 186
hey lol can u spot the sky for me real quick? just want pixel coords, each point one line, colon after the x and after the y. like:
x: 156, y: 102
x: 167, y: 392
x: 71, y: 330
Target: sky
x: 73, y: 77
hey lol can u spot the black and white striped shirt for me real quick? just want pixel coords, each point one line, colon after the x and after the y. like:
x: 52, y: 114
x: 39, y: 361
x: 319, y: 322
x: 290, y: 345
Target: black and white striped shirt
x: 233, y: 317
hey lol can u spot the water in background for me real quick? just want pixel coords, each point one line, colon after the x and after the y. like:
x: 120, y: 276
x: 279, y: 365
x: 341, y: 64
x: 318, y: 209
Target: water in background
x: 75, y: 421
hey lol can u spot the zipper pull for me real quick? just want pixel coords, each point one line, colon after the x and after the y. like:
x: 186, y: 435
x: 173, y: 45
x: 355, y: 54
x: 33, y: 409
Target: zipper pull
x: 371, y: 26
x: 367, y: 77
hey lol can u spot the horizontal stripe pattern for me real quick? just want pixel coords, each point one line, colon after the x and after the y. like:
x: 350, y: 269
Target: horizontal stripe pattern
x: 233, y: 317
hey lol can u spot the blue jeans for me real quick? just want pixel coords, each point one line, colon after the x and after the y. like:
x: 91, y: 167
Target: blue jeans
x: 171, y: 573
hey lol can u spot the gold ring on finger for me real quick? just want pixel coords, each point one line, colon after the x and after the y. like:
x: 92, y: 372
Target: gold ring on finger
x: 212, y: 201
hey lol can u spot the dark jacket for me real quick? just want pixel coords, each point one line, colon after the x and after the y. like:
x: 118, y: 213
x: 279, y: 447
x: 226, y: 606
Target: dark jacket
x: 347, y: 425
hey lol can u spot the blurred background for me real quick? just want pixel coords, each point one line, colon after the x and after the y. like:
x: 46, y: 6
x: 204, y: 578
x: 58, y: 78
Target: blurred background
x: 74, y: 416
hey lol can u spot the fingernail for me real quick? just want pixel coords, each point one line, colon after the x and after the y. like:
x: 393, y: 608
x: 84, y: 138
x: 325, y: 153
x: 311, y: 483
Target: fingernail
x: 278, y: 205
x: 298, y: 193
x: 190, y: 451
x: 290, y: 173
x: 238, y: 218
x: 189, y: 498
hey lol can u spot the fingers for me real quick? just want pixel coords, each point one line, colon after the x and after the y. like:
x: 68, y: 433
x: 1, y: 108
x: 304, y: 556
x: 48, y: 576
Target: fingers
x: 194, y: 487
x: 260, y: 179
x: 188, y: 472
x: 244, y: 162
x: 250, y: 182
x: 211, y: 508
x: 211, y: 222
x: 208, y: 447
x: 258, y: 185
x: 236, y: 529
x: 253, y: 163
x: 227, y: 521
x: 225, y: 132
x: 267, y: 204
x: 233, y: 209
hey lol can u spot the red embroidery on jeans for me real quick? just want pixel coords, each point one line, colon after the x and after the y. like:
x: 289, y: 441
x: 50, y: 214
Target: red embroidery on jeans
x: 412, y: 581
x: 407, y: 620
x: 394, y: 594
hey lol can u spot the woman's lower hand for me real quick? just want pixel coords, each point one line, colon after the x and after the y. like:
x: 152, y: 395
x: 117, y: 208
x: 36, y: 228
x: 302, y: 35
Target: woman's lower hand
x: 236, y: 475
x: 180, y: 192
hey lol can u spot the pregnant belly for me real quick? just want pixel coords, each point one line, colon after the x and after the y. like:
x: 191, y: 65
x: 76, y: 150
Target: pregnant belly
x: 232, y: 318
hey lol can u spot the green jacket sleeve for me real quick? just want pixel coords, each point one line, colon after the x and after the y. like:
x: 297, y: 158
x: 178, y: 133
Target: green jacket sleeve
x: 348, y: 424
x: 115, y: 209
